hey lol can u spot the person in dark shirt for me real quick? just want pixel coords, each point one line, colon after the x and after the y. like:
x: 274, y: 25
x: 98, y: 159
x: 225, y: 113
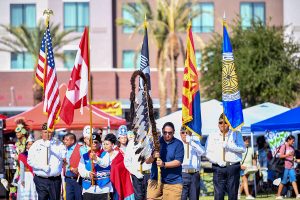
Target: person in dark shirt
x: 171, y: 157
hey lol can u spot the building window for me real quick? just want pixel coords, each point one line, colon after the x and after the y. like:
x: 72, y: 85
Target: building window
x: 22, y: 60
x: 76, y: 15
x: 198, y: 56
x: 70, y: 56
x: 23, y: 14
x: 130, y: 59
x: 204, y: 22
x: 252, y: 12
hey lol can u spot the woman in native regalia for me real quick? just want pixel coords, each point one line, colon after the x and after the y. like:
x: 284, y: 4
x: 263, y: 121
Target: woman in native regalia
x: 26, y: 186
x: 20, y: 146
x: 119, y: 175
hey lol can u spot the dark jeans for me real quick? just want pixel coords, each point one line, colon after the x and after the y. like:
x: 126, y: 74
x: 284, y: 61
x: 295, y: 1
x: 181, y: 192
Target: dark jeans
x: 191, y: 186
x: 226, y: 179
x: 140, y: 187
x: 73, y: 189
x: 48, y: 188
x: 91, y: 196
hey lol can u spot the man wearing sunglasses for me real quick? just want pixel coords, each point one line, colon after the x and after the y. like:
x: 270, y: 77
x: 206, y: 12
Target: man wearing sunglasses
x: 226, y: 166
x: 193, y: 151
x: 171, y: 156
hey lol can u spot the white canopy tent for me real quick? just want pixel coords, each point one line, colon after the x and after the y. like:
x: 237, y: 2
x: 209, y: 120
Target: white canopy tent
x: 210, y: 112
x: 259, y: 113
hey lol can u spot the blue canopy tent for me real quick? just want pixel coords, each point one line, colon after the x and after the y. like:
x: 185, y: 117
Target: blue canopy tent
x: 287, y: 121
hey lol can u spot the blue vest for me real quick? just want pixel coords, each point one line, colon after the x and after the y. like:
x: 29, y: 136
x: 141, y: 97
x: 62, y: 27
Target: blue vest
x: 103, y: 174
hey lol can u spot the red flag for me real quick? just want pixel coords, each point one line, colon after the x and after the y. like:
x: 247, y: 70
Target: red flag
x: 76, y: 95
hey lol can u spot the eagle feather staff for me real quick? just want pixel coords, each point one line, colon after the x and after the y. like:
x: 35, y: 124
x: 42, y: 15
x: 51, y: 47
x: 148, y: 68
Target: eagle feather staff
x: 142, y: 121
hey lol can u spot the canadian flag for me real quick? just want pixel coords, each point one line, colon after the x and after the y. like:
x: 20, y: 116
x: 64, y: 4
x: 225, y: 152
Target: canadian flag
x: 76, y: 95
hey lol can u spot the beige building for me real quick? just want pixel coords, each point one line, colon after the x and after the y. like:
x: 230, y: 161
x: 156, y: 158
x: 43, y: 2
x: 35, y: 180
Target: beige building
x: 70, y: 15
x: 112, y: 47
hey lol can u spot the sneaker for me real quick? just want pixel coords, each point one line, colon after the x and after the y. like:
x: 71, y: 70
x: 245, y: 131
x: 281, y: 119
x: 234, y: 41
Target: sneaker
x: 279, y: 197
x: 298, y: 196
x: 250, y: 197
x: 239, y: 196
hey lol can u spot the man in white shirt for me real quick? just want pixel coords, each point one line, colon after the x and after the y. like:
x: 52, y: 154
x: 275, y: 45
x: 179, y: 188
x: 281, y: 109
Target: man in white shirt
x: 46, y: 157
x: 193, y: 151
x: 226, y: 171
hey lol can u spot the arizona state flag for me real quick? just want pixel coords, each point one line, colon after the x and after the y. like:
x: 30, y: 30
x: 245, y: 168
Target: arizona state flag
x: 191, y: 111
x: 231, y: 97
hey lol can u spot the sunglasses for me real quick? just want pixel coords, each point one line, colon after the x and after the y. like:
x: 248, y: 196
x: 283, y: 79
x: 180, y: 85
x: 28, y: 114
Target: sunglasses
x: 184, y: 133
x: 95, y: 142
x: 166, y: 132
x: 222, y: 122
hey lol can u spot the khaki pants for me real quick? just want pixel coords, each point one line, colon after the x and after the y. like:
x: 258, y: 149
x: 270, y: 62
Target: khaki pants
x: 163, y: 191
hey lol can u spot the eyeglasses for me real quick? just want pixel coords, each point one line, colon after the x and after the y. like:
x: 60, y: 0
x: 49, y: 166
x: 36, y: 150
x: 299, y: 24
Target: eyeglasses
x: 169, y: 133
x: 222, y: 122
x: 95, y: 142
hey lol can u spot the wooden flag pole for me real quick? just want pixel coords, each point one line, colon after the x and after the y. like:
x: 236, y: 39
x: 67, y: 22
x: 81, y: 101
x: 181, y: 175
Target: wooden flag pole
x: 90, y: 104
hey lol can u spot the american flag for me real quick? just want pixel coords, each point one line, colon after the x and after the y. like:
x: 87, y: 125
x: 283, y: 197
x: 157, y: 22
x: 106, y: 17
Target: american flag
x: 46, y: 77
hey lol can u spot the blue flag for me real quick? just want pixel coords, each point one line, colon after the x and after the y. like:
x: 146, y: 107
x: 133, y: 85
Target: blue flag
x: 231, y: 97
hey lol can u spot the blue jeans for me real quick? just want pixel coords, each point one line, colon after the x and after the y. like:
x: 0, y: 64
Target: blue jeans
x: 288, y: 175
x: 73, y: 189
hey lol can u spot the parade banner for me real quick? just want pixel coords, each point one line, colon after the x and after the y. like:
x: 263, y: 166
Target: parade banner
x: 231, y: 97
x: 191, y: 111
x: 276, y: 139
x: 111, y: 107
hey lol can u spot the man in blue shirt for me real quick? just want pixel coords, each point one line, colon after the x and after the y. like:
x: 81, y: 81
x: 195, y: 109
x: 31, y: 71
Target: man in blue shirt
x: 171, y: 156
x: 73, y: 185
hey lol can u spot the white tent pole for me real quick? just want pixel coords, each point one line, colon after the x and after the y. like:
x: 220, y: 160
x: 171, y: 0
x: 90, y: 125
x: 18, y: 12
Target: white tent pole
x: 252, y: 146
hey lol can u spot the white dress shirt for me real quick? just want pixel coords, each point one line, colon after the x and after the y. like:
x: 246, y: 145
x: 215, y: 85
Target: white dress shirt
x: 234, y: 147
x: 196, y: 150
x: 84, y: 173
x: 37, y: 157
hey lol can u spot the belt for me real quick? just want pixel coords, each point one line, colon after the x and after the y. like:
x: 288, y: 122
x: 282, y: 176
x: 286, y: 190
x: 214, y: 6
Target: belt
x: 72, y: 177
x: 227, y: 164
x: 147, y: 172
x: 190, y: 171
x: 49, y: 177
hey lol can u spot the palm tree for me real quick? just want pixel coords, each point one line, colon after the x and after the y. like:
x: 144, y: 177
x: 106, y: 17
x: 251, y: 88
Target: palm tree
x: 23, y: 39
x: 170, y: 18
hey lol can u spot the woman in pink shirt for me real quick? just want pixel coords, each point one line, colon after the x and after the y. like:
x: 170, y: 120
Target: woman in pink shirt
x: 287, y: 152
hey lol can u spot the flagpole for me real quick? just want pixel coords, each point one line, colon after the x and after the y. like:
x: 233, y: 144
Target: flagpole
x: 90, y: 103
x: 47, y: 12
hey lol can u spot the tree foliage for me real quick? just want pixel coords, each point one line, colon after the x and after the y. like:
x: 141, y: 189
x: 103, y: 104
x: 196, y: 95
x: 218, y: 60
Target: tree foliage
x: 267, y: 64
x: 22, y: 38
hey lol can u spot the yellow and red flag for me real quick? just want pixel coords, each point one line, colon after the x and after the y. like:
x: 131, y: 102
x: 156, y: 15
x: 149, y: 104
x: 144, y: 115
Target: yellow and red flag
x: 191, y: 111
